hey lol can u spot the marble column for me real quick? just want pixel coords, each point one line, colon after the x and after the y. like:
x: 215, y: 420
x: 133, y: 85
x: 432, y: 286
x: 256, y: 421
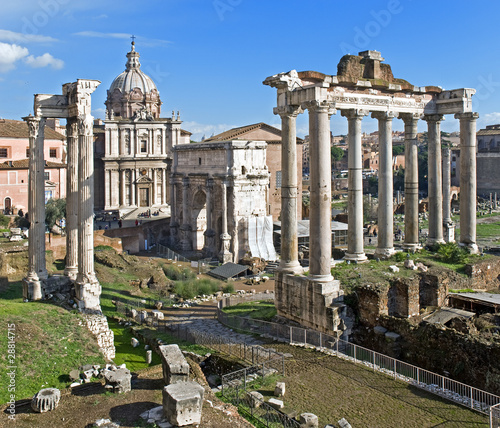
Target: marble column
x: 435, y: 184
x: 107, y: 190
x: 155, y: 186
x: 123, y: 195
x: 289, y: 261
x: 164, y: 186
x: 468, y: 197
x: 355, y: 247
x: 320, y: 223
x: 411, y: 242
x: 225, y: 255
x: 87, y: 287
x: 209, y: 247
x: 37, y: 272
x: 133, y: 174
x: 174, y: 225
x: 71, y: 269
x: 448, y: 225
x: 186, y: 228
x: 385, y: 247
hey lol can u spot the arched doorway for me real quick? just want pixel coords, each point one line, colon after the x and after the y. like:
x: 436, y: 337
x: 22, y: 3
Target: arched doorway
x: 199, y: 219
x: 8, y: 205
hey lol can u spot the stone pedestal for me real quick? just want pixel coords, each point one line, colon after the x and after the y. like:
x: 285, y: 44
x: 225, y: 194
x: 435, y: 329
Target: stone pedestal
x: 118, y: 381
x: 308, y: 420
x: 182, y: 403
x: 175, y: 366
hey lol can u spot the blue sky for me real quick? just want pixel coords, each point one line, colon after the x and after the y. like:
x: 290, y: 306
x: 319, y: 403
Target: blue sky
x: 208, y: 58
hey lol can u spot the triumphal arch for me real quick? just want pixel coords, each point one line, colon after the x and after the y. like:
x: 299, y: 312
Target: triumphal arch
x: 363, y: 85
x: 74, y: 105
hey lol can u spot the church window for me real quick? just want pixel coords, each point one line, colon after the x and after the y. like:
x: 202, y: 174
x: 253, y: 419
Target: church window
x: 144, y: 146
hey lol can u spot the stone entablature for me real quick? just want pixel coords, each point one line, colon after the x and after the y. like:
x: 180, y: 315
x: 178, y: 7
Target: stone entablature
x: 216, y: 188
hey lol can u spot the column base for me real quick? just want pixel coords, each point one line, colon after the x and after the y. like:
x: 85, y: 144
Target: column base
x: 434, y: 241
x: 412, y: 247
x: 71, y: 272
x: 88, y: 292
x: 320, y: 278
x: 356, y: 257
x: 32, y: 288
x: 384, y: 253
x: 449, y: 231
x: 471, y: 248
x: 293, y: 267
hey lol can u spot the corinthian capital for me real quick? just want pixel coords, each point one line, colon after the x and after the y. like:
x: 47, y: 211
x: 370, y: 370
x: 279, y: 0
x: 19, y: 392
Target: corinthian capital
x: 85, y: 125
x: 33, y: 125
x: 433, y: 117
x: 354, y: 113
x: 467, y: 116
x: 384, y: 115
x: 320, y: 106
x: 410, y: 118
x: 288, y: 111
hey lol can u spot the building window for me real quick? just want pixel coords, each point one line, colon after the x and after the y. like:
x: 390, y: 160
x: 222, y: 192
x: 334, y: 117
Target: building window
x: 28, y: 153
x: 278, y: 179
x: 144, y: 146
x: 46, y: 175
x: 4, y: 152
x: 199, y: 161
x: 48, y: 195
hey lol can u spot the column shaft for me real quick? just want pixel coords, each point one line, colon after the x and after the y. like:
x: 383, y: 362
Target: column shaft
x: 289, y: 237
x: 87, y: 287
x: 411, y: 241
x: 320, y: 224
x: 186, y: 228
x: 435, y: 180
x: 355, y: 247
x: 224, y: 255
x: 468, y: 197
x: 71, y: 269
x: 385, y: 247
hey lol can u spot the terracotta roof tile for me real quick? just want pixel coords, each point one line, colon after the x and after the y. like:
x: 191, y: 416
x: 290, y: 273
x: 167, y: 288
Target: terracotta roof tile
x: 19, y: 129
x: 24, y: 164
x: 234, y: 133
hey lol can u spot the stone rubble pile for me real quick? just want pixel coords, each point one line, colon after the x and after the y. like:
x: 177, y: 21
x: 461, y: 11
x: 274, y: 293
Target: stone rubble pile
x: 98, y: 326
x: 85, y: 373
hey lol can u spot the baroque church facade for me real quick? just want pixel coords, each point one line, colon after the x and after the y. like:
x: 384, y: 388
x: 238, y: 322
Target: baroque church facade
x: 134, y: 144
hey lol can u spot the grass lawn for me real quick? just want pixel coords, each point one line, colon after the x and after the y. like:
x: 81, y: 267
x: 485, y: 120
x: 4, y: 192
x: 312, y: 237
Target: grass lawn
x: 49, y: 342
x: 263, y: 310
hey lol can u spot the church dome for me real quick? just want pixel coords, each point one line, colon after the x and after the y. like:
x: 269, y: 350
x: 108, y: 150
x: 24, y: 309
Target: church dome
x: 132, y: 91
x: 133, y: 77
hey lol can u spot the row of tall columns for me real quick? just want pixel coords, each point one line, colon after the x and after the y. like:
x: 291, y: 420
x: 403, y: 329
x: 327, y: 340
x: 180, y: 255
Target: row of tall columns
x: 320, y: 185
x: 37, y: 271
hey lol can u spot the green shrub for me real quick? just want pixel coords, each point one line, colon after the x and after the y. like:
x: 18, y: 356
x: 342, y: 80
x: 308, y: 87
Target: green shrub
x: 228, y: 288
x: 452, y: 253
x: 4, y: 221
x: 176, y: 274
x: 400, y: 256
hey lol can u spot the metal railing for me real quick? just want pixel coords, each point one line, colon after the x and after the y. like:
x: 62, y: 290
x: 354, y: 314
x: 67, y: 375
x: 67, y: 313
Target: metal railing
x: 442, y: 386
x: 495, y: 416
x: 167, y: 253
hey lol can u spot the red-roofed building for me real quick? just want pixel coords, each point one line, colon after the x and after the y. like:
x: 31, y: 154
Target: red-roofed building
x: 14, y: 154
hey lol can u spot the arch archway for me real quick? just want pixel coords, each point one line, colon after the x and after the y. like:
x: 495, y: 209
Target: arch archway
x: 199, y: 219
x: 8, y: 205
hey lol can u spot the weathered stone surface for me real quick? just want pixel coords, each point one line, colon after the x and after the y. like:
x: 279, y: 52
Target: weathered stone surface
x: 378, y: 329
x: 118, y: 380
x: 308, y: 420
x: 394, y: 268
x: 149, y: 356
x: 410, y: 264
x: 158, y: 315
x: 279, y: 390
x: 105, y: 423
x: 134, y: 342
x: 344, y: 424
x: 182, y: 403
x: 277, y: 404
x: 74, y: 374
x: 256, y: 399
x: 391, y: 336
x: 46, y: 400
x: 175, y: 366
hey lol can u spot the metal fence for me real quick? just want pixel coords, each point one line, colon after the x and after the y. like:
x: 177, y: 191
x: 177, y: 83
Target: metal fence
x: 167, y: 253
x: 495, y: 416
x: 445, y: 387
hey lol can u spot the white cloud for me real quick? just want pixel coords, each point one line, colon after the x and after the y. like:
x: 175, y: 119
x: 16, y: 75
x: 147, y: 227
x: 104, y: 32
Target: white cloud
x: 143, y: 41
x: 200, y: 129
x: 491, y: 118
x: 10, y: 54
x: 44, y: 60
x: 13, y: 37
x: 102, y: 16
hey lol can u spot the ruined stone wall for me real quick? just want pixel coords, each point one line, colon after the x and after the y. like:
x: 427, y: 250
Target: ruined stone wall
x: 484, y: 275
x: 98, y: 326
x: 403, y: 298
x: 372, y: 302
x: 467, y: 358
